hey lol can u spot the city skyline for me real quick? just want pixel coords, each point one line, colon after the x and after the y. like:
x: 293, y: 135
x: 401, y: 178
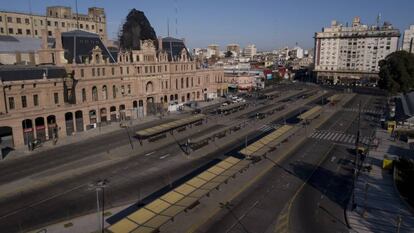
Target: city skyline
x: 266, y: 24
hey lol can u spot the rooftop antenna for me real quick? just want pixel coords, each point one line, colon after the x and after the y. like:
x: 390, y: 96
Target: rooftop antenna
x: 77, y: 15
x: 168, y: 33
x: 31, y: 17
x: 176, y: 17
x: 168, y: 27
x: 378, y: 19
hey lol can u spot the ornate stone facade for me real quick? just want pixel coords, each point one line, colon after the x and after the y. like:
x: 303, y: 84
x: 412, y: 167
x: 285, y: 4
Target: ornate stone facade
x: 97, y: 92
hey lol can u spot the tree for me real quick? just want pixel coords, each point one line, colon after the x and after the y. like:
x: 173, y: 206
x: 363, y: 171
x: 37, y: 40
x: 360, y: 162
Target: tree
x: 397, y: 72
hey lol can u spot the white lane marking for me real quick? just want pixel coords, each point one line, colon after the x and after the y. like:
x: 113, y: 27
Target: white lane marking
x: 332, y: 136
x: 164, y: 156
x: 339, y: 139
x: 335, y: 137
x: 150, y: 153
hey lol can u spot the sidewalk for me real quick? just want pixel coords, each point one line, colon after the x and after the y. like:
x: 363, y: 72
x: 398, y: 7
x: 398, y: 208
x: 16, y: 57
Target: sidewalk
x: 81, y: 136
x: 378, y: 202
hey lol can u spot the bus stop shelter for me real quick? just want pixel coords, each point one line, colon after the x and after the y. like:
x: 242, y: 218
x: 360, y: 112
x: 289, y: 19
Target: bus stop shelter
x: 310, y: 114
x: 152, y: 216
x: 168, y: 127
x: 265, y: 144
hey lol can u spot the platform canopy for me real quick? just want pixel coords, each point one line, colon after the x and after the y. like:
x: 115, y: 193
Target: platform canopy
x: 311, y: 113
x: 153, y: 215
x: 232, y: 106
x: 263, y: 144
x: 149, y: 132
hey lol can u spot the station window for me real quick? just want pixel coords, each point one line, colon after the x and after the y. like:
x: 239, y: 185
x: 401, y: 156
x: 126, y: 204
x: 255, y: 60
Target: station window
x: 11, y: 103
x: 35, y: 100
x: 56, y: 97
x: 24, y: 101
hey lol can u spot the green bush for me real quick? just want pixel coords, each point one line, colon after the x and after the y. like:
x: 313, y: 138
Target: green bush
x: 405, y: 179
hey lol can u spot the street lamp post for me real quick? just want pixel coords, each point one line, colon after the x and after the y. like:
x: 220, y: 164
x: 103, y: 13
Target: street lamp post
x: 356, y: 155
x: 98, y: 186
x: 228, y: 206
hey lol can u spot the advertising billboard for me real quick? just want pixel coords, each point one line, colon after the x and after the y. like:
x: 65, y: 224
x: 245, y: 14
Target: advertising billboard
x: 269, y: 76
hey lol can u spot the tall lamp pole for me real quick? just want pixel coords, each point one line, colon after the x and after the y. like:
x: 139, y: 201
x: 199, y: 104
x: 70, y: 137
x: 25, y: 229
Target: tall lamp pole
x: 356, y: 155
x: 98, y: 186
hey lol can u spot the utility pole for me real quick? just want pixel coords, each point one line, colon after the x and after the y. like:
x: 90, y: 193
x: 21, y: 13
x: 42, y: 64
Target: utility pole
x: 228, y: 206
x: 357, y: 136
x: 98, y: 186
x: 399, y: 221
x: 356, y: 156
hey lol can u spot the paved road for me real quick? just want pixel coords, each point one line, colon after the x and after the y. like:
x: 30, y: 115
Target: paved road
x: 258, y: 208
x: 22, y: 167
x: 130, y: 180
x: 320, y: 205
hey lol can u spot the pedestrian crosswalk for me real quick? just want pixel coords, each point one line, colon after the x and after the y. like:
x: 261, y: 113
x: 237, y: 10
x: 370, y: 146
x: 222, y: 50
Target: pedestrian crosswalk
x: 339, y: 137
x: 365, y: 110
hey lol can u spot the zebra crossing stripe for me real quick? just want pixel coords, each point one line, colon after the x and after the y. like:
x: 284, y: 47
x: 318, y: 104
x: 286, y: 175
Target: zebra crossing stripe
x: 336, y: 137
x: 342, y: 137
x: 319, y: 135
x: 330, y: 138
x: 326, y: 136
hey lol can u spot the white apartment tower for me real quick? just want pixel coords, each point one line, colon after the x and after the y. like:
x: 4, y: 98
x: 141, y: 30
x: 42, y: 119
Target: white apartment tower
x: 408, y: 41
x: 213, y: 50
x: 250, y: 51
x: 349, y: 55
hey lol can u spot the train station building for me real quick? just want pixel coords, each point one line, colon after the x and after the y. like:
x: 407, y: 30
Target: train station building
x: 80, y: 85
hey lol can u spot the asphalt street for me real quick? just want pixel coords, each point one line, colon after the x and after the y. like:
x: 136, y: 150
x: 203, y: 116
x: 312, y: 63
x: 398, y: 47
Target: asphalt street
x: 25, y: 166
x: 320, y: 205
x: 315, y: 162
x: 131, y: 179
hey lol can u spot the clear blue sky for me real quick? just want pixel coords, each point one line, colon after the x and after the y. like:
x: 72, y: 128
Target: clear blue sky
x: 267, y: 23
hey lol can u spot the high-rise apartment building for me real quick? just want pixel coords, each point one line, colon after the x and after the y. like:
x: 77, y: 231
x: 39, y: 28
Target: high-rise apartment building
x: 234, y: 48
x: 56, y: 17
x: 213, y: 50
x: 250, y: 51
x: 408, y: 40
x: 350, y: 55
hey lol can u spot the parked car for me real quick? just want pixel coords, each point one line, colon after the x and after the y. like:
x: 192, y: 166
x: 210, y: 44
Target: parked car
x: 197, y: 111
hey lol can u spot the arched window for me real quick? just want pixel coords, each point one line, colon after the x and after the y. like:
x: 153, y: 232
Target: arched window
x: 104, y: 92
x: 186, y: 82
x: 149, y: 87
x: 114, y: 91
x: 94, y: 93
x: 176, y: 84
x: 182, y: 82
x: 192, y: 81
